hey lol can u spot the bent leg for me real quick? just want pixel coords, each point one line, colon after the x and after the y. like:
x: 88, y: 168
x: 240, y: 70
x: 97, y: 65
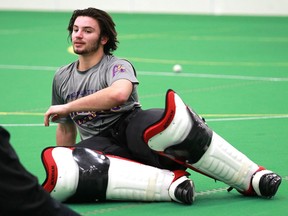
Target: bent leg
x: 139, y: 149
x: 183, y: 136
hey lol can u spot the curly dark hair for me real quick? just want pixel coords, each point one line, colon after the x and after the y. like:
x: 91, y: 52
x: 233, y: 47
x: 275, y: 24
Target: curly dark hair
x: 107, y: 26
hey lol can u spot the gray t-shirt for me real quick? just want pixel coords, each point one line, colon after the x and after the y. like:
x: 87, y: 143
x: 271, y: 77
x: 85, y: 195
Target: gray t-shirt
x: 69, y: 84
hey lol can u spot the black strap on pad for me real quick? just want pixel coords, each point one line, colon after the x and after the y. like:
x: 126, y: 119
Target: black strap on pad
x: 93, y: 175
x: 195, y: 144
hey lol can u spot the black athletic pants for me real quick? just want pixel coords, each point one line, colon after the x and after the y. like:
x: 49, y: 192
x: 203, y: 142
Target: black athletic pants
x: 20, y: 192
x: 125, y: 139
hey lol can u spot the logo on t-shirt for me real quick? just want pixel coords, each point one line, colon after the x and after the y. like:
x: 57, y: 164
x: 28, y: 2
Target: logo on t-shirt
x: 119, y: 68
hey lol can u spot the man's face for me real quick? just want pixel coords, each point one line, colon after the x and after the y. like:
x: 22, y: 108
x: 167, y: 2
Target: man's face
x: 86, y: 36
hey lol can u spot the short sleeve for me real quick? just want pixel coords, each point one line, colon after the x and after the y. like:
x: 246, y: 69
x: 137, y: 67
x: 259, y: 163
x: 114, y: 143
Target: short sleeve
x: 57, y: 99
x: 122, y: 69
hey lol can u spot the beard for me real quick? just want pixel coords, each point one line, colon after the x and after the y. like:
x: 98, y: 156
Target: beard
x: 91, y: 48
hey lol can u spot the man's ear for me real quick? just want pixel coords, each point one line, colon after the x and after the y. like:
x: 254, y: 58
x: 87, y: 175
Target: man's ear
x: 104, y: 40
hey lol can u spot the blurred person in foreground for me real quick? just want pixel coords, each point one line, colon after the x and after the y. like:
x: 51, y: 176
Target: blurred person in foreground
x: 20, y: 192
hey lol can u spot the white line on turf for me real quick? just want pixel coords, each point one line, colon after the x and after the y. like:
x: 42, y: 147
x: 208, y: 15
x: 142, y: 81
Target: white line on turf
x: 246, y: 118
x: 213, y: 76
x: 208, y: 192
x: 153, y: 73
x: 208, y: 120
x: 25, y: 125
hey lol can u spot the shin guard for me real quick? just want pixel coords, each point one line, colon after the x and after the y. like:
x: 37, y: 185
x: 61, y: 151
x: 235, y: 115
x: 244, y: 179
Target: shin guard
x: 79, y: 174
x: 183, y: 136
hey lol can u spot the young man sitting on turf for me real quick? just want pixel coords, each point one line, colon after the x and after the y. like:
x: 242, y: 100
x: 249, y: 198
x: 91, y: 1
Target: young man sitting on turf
x: 96, y: 95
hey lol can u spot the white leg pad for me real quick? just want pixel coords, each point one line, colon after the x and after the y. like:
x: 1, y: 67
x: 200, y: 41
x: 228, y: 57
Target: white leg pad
x: 225, y: 163
x: 177, y: 130
x: 67, y: 174
x: 134, y: 181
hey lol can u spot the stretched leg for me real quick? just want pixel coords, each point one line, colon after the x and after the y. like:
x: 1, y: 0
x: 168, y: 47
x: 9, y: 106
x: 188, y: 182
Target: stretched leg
x: 20, y: 192
x: 184, y: 137
x: 80, y: 174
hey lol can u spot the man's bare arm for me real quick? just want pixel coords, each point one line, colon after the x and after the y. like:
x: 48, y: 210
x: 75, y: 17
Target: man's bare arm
x: 66, y: 134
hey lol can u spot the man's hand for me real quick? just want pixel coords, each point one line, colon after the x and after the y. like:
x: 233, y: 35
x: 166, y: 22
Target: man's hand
x: 55, y: 112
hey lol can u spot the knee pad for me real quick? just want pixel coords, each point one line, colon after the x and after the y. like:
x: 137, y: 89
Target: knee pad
x: 180, y: 134
x: 69, y: 177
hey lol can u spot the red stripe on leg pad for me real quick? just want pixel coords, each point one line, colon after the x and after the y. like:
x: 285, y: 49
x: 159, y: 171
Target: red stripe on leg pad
x: 165, y: 121
x: 51, y: 170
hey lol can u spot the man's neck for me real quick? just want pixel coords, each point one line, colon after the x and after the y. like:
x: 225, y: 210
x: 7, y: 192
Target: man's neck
x: 88, y: 61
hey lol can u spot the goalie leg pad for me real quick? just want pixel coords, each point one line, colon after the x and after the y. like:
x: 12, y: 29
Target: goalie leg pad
x: 172, y: 128
x: 137, y: 181
x: 225, y: 163
x: 75, y: 174
x: 180, y: 134
x: 80, y: 174
x: 93, y: 174
x: 183, y: 136
x: 146, y: 183
x: 62, y: 172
